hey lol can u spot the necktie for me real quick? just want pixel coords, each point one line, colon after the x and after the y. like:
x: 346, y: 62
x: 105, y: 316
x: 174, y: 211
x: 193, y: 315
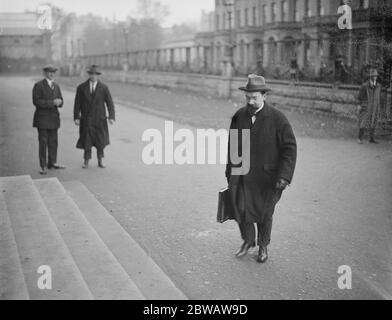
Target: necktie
x: 253, y: 114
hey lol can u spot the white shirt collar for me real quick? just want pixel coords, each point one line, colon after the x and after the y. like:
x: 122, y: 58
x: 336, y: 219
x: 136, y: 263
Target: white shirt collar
x: 259, y: 109
x: 50, y: 82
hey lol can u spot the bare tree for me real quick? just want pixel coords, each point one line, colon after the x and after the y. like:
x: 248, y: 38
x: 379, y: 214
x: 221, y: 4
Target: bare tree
x: 151, y: 10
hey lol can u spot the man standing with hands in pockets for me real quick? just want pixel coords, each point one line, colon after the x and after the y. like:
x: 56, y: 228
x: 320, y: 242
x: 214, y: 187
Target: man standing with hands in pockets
x: 91, y: 101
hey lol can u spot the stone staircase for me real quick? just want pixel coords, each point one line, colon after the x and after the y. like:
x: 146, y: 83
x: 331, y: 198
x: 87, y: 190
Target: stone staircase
x: 63, y: 226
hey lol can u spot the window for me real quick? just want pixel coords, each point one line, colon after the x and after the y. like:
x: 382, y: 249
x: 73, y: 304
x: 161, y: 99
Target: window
x: 246, y: 17
x: 295, y: 10
x: 308, y: 11
x: 238, y: 16
x: 217, y: 22
x: 264, y: 14
x: 254, y: 16
x: 273, y: 12
x: 224, y: 25
x: 284, y: 10
x: 16, y: 41
x: 320, y: 8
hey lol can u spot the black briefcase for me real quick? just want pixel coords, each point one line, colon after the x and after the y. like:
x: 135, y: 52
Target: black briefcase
x: 225, y: 209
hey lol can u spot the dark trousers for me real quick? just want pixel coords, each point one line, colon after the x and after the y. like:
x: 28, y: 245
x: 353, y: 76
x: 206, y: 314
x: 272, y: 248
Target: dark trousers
x: 87, y: 154
x: 248, y: 232
x: 47, y: 147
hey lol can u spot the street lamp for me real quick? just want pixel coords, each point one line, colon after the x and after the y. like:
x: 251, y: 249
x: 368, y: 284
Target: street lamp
x: 125, y: 28
x: 229, y: 5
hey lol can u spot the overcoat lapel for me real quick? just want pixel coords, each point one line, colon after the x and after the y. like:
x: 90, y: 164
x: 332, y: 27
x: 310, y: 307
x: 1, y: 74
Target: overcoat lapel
x: 98, y: 87
x: 46, y: 85
x: 87, y: 91
x: 264, y: 114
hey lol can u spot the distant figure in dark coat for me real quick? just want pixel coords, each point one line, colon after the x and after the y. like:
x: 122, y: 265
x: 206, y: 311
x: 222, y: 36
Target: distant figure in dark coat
x: 369, y: 98
x: 47, y: 99
x: 91, y: 101
x: 273, y: 154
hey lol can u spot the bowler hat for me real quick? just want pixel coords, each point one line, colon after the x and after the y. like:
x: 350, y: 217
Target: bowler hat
x: 255, y: 83
x: 373, y: 73
x: 94, y: 69
x: 50, y: 68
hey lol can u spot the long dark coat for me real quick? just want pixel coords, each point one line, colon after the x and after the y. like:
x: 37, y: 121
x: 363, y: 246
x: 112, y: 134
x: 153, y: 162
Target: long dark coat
x: 273, y: 155
x: 91, y: 110
x: 370, y: 100
x: 46, y: 115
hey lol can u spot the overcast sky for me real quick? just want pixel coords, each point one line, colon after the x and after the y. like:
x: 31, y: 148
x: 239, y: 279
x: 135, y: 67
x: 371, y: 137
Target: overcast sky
x: 180, y: 10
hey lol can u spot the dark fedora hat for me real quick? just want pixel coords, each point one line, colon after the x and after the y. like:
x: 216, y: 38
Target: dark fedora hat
x: 255, y: 83
x: 50, y: 68
x: 94, y: 69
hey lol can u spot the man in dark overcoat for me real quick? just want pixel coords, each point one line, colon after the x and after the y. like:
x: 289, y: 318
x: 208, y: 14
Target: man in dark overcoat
x: 91, y: 101
x: 47, y: 99
x: 369, y: 98
x: 272, y: 153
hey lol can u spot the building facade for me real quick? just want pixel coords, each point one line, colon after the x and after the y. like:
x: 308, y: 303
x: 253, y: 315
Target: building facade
x: 23, y: 46
x: 267, y: 35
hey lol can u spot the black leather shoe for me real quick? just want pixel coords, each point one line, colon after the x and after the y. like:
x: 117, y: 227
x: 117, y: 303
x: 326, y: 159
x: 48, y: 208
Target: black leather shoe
x: 85, y: 164
x: 43, y: 171
x: 56, y: 166
x: 262, y: 257
x: 101, y: 164
x: 373, y: 141
x: 243, y: 251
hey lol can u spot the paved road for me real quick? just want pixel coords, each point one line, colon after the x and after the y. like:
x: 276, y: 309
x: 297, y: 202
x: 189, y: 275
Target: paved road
x: 337, y: 212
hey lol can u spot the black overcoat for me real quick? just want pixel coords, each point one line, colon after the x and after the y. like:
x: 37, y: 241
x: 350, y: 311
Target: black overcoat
x: 370, y: 101
x: 273, y: 155
x: 91, y: 110
x: 46, y: 115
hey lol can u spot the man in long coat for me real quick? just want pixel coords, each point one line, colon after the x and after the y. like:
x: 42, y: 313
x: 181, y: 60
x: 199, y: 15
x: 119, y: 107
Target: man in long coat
x: 91, y: 101
x: 273, y: 154
x: 369, y: 106
x: 47, y: 99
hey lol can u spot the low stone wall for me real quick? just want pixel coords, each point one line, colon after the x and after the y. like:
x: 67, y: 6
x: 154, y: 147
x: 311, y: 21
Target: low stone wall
x: 311, y: 96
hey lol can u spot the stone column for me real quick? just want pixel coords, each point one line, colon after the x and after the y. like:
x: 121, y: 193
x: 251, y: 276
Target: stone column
x: 266, y: 59
x: 171, y: 63
x: 187, y: 58
x: 246, y: 55
x: 136, y: 60
x: 349, y: 48
x: 279, y: 53
x: 252, y: 54
x: 145, y: 55
x: 301, y: 54
x: 326, y: 48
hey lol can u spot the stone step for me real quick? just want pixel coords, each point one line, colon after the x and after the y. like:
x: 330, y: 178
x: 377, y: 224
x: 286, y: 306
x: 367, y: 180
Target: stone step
x: 147, y: 275
x: 40, y: 244
x: 12, y: 282
x: 101, y: 271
